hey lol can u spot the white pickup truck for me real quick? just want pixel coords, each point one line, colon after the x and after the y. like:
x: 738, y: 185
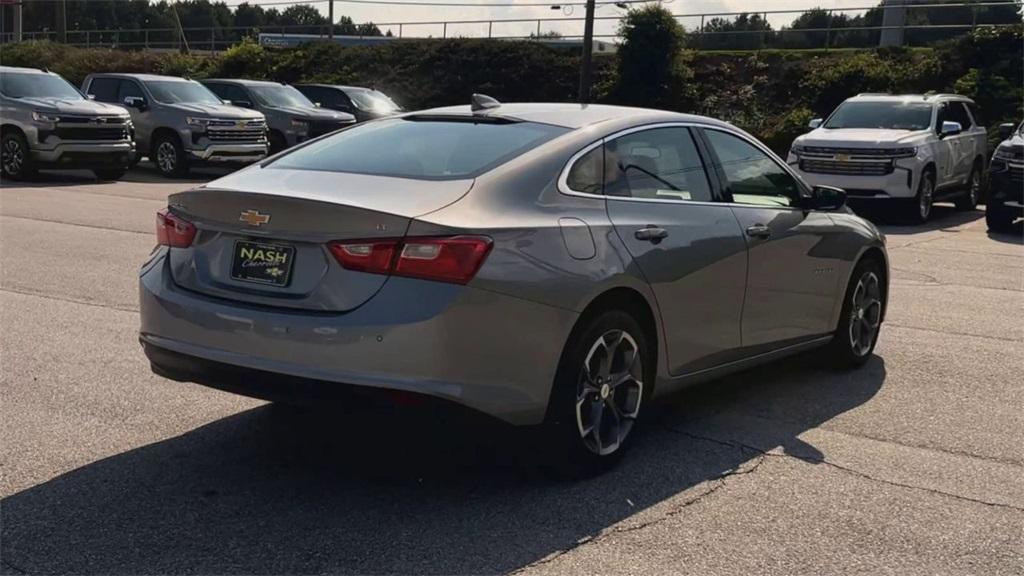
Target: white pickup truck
x: 910, y: 150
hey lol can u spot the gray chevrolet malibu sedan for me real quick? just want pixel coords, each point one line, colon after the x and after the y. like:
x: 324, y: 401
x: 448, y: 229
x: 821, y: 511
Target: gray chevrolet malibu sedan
x: 547, y: 264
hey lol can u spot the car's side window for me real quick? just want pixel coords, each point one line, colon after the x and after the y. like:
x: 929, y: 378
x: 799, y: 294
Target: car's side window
x: 587, y: 173
x: 942, y: 116
x: 237, y: 94
x: 221, y: 90
x: 976, y: 114
x: 660, y: 163
x: 127, y: 89
x: 958, y: 113
x: 751, y: 176
x: 104, y: 89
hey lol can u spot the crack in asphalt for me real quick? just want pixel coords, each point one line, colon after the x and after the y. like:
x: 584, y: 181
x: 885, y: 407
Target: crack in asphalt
x: 68, y: 299
x: 713, y: 485
x: 66, y: 223
x: 846, y: 469
x: 952, y: 332
x: 7, y: 564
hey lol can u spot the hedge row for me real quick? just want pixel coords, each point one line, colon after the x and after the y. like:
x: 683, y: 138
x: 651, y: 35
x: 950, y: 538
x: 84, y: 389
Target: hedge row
x: 771, y: 93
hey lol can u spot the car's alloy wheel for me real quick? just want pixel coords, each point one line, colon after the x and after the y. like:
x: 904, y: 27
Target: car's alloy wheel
x: 13, y: 160
x: 969, y: 201
x: 865, y: 314
x: 609, y: 392
x: 924, y: 199
x: 167, y: 157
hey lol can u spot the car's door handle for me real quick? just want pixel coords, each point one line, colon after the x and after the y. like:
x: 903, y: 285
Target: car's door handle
x: 651, y: 233
x: 759, y: 231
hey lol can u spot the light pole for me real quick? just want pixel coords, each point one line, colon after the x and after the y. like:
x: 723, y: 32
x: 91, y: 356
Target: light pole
x: 330, y: 16
x: 586, y: 61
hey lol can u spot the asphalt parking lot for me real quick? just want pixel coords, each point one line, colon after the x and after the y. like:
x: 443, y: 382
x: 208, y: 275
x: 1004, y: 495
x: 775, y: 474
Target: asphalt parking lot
x: 912, y: 465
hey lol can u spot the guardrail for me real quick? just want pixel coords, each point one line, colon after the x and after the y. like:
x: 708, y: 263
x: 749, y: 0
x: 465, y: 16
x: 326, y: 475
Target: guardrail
x: 214, y: 39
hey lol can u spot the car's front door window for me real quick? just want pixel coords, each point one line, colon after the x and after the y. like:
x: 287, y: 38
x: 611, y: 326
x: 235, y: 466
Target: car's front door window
x: 751, y: 176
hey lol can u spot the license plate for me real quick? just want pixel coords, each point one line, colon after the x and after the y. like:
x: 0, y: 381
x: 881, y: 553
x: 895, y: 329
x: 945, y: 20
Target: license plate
x: 262, y: 263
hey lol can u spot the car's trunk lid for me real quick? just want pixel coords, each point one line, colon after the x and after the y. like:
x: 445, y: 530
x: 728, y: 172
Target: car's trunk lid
x: 262, y: 217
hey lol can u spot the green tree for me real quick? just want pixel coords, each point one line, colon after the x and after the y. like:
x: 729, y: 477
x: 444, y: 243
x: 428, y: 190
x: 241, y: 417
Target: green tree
x: 652, y: 69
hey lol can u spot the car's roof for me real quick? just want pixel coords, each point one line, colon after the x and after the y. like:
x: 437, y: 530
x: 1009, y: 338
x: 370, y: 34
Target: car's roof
x: 571, y: 115
x: 338, y: 86
x: 23, y: 70
x: 142, y: 77
x: 244, y: 81
x: 926, y: 98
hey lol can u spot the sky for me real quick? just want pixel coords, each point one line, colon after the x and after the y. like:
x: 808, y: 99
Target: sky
x: 394, y: 14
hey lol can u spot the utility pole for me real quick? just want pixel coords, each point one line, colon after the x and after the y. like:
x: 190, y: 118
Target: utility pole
x: 330, y: 17
x: 17, y: 20
x: 894, y: 18
x: 62, y: 21
x: 588, y: 52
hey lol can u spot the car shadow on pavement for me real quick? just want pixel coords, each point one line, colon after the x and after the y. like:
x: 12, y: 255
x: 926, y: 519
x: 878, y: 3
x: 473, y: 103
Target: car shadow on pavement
x: 142, y: 173
x: 279, y: 491
x: 942, y: 217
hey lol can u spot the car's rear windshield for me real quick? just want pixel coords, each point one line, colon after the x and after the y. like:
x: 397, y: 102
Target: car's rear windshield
x: 887, y: 115
x: 440, y: 149
x: 29, y: 85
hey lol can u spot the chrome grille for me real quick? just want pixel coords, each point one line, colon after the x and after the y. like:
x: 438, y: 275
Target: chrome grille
x: 1017, y: 173
x: 94, y: 120
x: 851, y: 167
x: 234, y: 131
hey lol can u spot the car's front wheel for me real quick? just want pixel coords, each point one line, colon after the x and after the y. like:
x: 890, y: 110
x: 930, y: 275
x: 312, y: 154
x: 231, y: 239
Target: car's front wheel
x: 602, y: 385
x: 169, y: 156
x: 15, y: 158
x: 998, y: 217
x: 861, y: 316
x: 920, y: 209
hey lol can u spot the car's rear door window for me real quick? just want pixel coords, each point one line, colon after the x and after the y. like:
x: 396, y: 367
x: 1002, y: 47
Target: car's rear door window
x: 430, y: 149
x: 660, y: 163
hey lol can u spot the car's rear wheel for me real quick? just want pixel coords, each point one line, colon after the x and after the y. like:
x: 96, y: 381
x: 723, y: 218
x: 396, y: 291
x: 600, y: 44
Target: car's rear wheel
x: 920, y: 209
x: 861, y: 318
x: 969, y: 201
x: 602, y: 384
x: 169, y: 156
x: 15, y: 157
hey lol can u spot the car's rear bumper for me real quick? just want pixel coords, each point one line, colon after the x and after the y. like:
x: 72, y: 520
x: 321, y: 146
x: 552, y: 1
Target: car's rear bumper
x: 493, y: 353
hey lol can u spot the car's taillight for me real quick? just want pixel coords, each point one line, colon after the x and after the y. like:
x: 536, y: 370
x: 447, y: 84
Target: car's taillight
x: 453, y: 259
x: 173, y: 230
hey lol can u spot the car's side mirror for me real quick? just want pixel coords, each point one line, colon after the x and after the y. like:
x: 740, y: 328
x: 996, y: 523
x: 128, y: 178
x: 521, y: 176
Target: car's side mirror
x: 317, y: 104
x: 1005, y: 130
x: 827, y: 198
x: 136, y: 102
x: 950, y: 129
x: 90, y: 96
x: 815, y: 124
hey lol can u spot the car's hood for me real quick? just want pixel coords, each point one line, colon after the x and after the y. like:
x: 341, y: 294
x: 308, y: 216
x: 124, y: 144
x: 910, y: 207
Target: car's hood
x: 860, y: 137
x: 74, y: 106
x: 313, y: 113
x: 218, y: 111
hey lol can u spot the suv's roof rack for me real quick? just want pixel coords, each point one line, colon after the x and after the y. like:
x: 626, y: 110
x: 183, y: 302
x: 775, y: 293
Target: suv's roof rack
x: 875, y: 94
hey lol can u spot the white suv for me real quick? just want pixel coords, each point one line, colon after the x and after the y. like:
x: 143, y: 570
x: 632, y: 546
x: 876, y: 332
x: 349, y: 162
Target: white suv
x: 913, y: 149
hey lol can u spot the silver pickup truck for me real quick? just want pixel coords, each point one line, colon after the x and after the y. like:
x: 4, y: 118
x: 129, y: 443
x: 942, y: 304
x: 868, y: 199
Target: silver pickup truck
x: 180, y: 123
x: 48, y: 123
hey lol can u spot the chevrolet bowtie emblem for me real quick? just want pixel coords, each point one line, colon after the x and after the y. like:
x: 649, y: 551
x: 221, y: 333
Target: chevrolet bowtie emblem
x: 254, y: 218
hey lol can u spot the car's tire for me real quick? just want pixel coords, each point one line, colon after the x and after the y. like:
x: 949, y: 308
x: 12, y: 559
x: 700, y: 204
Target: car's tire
x: 861, y: 318
x: 277, y: 142
x: 168, y: 155
x: 15, y: 156
x: 919, y: 210
x: 110, y: 173
x: 604, y: 380
x: 998, y: 217
x: 969, y: 200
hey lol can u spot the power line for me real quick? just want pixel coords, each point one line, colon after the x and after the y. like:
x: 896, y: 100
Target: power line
x: 456, y: 4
